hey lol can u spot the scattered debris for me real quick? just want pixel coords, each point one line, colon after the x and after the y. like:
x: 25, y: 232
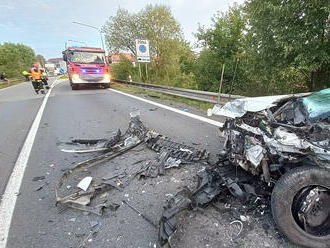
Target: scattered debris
x: 240, y: 224
x: 38, y: 178
x: 41, y: 186
x: 171, y: 154
x: 214, y: 180
x: 84, y: 183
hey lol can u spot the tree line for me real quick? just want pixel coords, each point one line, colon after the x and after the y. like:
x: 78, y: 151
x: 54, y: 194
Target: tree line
x: 266, y: 46
x: 16, y: 58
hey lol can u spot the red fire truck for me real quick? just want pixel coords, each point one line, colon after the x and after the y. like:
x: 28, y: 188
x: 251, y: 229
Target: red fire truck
x: 87, y: 65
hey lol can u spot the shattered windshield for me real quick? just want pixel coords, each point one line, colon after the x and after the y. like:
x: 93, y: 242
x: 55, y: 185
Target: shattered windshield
x: 318, y: 104
x: 87, y: 57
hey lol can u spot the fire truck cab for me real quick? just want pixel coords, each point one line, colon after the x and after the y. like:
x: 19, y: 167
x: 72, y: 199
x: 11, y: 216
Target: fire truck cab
x: 87, y: 65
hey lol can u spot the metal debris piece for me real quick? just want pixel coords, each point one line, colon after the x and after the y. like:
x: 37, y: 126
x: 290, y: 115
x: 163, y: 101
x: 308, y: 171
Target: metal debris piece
x: 41, y: 186
x: 140, y: 214
x: 38, y: 178
x: 168, y: 221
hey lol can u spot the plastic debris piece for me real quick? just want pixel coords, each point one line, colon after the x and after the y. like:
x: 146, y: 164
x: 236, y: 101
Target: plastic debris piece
x: 84, y: 183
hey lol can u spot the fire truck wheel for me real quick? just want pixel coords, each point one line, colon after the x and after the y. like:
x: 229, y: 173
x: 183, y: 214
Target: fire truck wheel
x: 300, y: 205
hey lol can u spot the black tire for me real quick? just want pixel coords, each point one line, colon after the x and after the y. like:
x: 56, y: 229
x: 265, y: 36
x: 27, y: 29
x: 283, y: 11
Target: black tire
x: 74, y: 87
x: 283, y: 195
x: 107, y: 86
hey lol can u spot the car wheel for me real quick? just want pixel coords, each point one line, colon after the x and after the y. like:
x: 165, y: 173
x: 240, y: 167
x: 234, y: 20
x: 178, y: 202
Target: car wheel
x: 301, y: 206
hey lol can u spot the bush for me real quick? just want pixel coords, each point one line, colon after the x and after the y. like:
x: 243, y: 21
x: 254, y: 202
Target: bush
x: 15, y: 58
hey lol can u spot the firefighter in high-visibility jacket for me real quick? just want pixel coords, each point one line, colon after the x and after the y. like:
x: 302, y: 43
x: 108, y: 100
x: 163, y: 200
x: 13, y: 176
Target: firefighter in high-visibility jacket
x: 36, y: 78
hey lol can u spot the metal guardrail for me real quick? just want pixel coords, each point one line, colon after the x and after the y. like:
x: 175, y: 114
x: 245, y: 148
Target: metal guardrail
x: 204, y: 96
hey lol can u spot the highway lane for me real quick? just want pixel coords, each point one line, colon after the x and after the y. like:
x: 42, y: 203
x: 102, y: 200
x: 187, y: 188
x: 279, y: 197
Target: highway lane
x: 18, y: 107
x: 95, y: 113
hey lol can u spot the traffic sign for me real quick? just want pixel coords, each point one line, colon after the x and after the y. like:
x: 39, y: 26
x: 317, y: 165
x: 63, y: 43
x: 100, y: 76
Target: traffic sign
x: 142, y: 51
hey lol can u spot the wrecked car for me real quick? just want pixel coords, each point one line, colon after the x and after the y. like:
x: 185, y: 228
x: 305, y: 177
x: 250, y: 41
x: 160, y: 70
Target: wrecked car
x: 285, y: 141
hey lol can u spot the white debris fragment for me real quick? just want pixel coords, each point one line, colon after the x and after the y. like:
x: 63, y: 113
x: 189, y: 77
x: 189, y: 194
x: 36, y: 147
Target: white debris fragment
x: 244, y: 218
x: 209, y: 112
x: 84, y: 183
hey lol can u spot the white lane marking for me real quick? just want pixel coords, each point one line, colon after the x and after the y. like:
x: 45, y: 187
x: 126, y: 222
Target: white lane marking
x: 197, y: 117
x: 9, y: 198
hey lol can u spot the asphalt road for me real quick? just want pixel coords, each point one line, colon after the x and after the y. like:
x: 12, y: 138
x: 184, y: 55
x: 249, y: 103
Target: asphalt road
x: 89, y: 113
x: 18, y: 107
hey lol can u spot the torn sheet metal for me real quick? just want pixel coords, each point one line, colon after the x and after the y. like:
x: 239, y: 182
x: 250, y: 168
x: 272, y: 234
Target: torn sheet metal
x: 87, y: 146
x: 255, y: 154
x: 239, y: 107
x: 284, y: 134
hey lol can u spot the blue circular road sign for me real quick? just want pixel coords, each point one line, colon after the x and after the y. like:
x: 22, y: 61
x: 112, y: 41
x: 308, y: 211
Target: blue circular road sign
x: 142, y: 48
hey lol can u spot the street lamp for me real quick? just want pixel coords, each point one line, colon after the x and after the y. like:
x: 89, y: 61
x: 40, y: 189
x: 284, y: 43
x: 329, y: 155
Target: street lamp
x: 90, y: 26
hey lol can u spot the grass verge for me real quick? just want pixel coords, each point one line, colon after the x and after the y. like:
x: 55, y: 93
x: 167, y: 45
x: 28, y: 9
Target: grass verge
x: 5, y: 85
x: 163, y: 96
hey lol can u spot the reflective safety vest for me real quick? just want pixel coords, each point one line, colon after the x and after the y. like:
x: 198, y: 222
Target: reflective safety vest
x: 36, y: 73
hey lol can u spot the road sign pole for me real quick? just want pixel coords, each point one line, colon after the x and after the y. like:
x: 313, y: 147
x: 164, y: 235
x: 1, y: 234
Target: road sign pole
x: 147, y: 71
x: 140, y: 71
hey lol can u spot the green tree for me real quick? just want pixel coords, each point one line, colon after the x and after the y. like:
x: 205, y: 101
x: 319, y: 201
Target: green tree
x: 121, y: 31
x: 290, y: 34
x: 15, y: 58
x: 223, y: 43
x: 168, y: 48
x: 123, y: 69
x: 41, y: 59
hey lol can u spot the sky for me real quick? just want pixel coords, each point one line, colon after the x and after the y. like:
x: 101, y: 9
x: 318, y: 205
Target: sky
x: 46, y: 25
